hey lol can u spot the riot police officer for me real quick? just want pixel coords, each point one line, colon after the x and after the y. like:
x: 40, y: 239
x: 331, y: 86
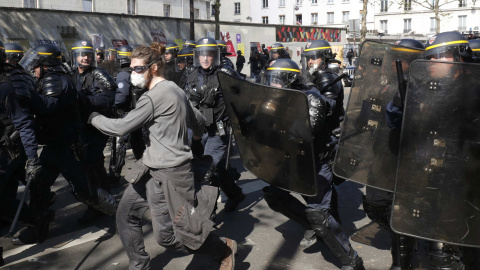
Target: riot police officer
x: 96, y: 92
x: 171, y: 51
x: 184, y: 64
x: 317, y: 214
x: 202, y: 89
x: 447, y: 47
x: 125, y: 100
x: 377, y: 203
x: 18, y: 144
x: 277, y: 51
x: 57, y: 121
x: 14, y: 53
x: 222, y: 45
x: 189, y: 44
x: 100, y: 55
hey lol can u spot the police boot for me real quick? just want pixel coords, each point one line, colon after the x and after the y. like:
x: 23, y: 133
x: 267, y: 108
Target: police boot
x: 330, y: 232
x: 444, y: 257
x: 38, y: 233
x: 402, y: 250
x: 2, y: 262
x: 231, y: 189
x: 287, y: 205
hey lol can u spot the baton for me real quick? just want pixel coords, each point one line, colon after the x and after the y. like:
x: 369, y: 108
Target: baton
x: 401, y: 80
x: 19, y: 210
x: 330, y: 84
x: 230, y: 137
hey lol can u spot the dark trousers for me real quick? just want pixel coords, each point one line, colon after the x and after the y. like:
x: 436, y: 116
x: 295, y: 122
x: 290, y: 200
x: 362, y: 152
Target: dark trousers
x: 150, y: 193
x: 94, y: 165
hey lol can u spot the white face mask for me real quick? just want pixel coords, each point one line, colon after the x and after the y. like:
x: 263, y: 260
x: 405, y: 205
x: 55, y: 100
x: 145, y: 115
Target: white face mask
x: 138, y: 80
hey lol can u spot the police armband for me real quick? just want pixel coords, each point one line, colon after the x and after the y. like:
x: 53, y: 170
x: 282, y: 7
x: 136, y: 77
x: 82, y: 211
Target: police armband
x: 52, y: 85
x: 104, y: 79
x: 317, y: 110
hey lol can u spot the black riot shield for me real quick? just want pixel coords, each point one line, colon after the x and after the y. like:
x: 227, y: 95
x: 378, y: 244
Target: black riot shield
x: 437, y: 191
x: 367, y: 151
x: 272, y: 131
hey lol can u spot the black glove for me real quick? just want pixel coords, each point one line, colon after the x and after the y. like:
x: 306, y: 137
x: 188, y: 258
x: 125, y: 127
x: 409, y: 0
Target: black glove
x: 92, y: 115
x: 197, y: 148
x: 33, y: 168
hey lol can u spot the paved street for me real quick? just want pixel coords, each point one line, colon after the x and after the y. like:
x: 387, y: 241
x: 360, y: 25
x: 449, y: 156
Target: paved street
x: 267, y: 240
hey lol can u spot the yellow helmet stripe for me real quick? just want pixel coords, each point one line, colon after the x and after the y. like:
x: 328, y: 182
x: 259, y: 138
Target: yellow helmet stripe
x: 125, y: 53
x: 13, y: 51
x: 207, y: 45
x: 183, y: 55
x: 476, y: 50
x: 44, y: 53
x: 222, y: 45
x: 446, y: 43
x: 74, y: 48
x: 171, y: 47
x: 276, y: 48
x: 407, y: 50
x: 286, y: 69
x: 319, y: 48
x: 2, y: 48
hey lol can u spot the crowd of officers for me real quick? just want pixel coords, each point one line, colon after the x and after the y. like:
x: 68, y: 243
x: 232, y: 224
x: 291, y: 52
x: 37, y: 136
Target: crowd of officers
x: 71, y: 108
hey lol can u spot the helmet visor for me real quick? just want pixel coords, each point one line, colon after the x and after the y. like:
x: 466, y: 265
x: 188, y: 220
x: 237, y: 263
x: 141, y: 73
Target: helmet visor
x: 206, y: 58
x: 31, y: 60
x: 280, y: 79
x: 84, y: 59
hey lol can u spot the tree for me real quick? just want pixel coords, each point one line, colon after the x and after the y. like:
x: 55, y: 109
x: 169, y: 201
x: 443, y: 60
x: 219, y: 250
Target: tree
x: 363, y: 32
x: 217, y: 19
x: 433, y: 5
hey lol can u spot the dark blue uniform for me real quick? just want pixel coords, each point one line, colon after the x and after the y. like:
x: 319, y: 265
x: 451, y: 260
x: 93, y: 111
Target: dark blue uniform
x: 96, y: 93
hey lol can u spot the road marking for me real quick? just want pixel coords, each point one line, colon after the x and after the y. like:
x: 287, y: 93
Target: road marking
x: 28, y: 252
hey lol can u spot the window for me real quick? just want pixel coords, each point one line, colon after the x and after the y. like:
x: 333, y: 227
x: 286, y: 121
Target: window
x: 166, y: 10
x: 298, y: 17
x: 265, y: 4
x: 265, y: 20
x: 314, y: 1
x: 314, y: 18
x: 384, y: 26
x: 30, y: 3
x: 281, y: 3
x: 345, y: 1
x: 407, y: 25
x: 383, y: 5
x: 407, y: 5
x: 213, y: 10
x: 87, y: 5
x: 131, y: 7
x: 330, y: 1
x: 433, y: 24
x: 237, y: 8
x: 346, y: 16
x: 281, y: 18
x: 208, y: 8
x: 329, y: 17
x: 462, y: 22
x: 462, y: 3
x: 298, y: 2
x: 196, y: 13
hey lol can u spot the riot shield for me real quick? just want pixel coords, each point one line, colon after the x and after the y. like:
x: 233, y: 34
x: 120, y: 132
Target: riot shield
x: 437, y: 195
x: 367, y: 150
x: 272, y: 131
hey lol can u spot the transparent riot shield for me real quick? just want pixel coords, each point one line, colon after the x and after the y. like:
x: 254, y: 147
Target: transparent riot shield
x: 272, y: 131
x: 367, y: 150
x: 437, y: 191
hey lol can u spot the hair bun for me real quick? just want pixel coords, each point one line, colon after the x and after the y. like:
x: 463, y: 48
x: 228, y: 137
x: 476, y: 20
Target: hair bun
x: 158, y: 47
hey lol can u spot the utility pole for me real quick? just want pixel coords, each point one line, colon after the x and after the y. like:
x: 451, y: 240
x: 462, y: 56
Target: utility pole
x: 192, y: 21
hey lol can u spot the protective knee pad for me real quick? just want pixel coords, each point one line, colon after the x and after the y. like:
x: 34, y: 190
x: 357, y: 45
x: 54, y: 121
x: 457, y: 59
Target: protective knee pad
x: 444, y: 257
x: 378, y: 213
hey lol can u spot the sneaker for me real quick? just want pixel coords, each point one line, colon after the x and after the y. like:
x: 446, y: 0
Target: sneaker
x: 232, y: 204
x: 309, y: 238
x: 228, y: 262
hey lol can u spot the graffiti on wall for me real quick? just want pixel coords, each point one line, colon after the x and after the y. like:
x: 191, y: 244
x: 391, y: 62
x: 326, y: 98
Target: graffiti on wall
x: 300, y: 34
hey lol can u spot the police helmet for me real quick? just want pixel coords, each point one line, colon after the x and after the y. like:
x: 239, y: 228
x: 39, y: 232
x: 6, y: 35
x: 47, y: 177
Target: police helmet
x: 277, y: 48
x: 83, y: 51
x: 222, y: 45
x: 410, y: 43
x: 448, y: 44
x: 14, y: 52
x: 190, y: 44
x: 100, y: 52
x: 474, y: 45
x: 318, y: 49
x: 172, y: 48
x: 112, y: 54
x: 206, y: 47
x: 124, y: 54
x: 47, y: 55
x: 184, y: 59
x: 407, y: 50
x: 282, y: 73
x: 3, y: 57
